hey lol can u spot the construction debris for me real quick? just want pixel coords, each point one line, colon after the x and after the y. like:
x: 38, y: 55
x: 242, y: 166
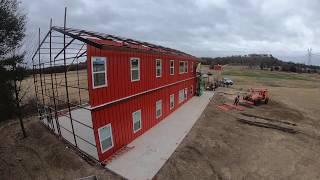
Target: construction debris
x: 284, y: 126
x: 269, y: 119
x: 94, y: 177
x: 228, y: 107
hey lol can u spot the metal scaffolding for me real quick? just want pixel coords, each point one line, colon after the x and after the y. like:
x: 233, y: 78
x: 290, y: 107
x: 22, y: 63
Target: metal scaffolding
x: 60, y: 72
x: 60, y: 79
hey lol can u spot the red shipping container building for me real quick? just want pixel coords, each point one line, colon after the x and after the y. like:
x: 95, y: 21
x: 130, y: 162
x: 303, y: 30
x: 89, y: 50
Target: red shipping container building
x: 132, y: 86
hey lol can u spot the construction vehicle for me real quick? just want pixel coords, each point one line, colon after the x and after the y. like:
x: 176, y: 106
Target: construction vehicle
x: 257, y: 95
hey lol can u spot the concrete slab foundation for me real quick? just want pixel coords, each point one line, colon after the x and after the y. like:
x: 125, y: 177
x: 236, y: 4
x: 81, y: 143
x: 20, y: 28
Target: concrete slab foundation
x: 152, y: 149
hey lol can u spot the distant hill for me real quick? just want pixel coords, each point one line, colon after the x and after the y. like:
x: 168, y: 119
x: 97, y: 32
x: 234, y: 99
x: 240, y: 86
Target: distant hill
x: 263, y: 61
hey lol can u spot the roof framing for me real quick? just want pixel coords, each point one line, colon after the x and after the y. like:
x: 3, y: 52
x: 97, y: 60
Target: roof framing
x: 115, y: 42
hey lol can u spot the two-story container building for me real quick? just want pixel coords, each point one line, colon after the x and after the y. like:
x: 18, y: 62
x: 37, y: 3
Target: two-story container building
x: 132, y: 86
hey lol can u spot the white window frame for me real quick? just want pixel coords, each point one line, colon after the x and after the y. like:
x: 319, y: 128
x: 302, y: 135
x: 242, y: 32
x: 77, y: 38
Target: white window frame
x: 135, y: 58
x: 111, y: 135
x: 181, y: 72
x: 157, y: 68
x: 158, y: 116
x: 93, y: 73
x: 171, y: 67
x: 186, y: 67
x: 171, y: 98
x: 181, y: 100
x: 134, y: 131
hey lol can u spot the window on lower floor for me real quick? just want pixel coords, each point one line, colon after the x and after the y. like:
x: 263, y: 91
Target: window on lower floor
x: 158, y: 108
x: 181, y: 95
x: 171, y: 101
x: 136, y: 118
x: 105, y: 136
x: 185, y: 93
x: 191, y: 90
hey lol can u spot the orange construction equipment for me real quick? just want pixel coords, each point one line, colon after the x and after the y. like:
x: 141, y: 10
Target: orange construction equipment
x: 257, y: 95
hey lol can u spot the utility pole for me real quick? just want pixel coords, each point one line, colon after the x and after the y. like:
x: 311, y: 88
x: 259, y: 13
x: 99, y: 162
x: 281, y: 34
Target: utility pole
x: 309, y: 55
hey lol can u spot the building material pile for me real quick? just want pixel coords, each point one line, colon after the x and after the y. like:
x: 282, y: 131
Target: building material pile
x: 229, y: 106
x: 253, y: 120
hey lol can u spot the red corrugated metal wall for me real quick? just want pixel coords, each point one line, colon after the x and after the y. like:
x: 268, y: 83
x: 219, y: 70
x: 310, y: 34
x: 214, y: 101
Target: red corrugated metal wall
x: 120, y: 114
x: 118, y: 74
x: 119, y: 86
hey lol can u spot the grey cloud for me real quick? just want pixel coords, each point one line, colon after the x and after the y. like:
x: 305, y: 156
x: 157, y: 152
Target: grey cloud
x: 285, y: 28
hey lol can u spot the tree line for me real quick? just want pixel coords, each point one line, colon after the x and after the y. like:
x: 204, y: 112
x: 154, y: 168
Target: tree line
x: 263, y: 62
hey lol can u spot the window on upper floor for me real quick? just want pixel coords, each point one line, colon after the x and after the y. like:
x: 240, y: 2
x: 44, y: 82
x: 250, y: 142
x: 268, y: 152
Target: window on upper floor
x: 99, y: 72
x: 181, y: 67
x: 105, y: 137
x: 158, y: 108
x: 171, y: 67
x: 136, y: 119
x: 158, y: 67
x: 135, y: 69
x: 186, y: 67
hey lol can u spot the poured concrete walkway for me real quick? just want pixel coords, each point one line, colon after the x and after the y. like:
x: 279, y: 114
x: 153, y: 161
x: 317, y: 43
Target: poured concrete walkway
x: 152, y: 149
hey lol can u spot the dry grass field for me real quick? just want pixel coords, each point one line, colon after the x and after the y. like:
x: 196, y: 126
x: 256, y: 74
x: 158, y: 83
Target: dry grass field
x: 220, y: 147
x: 74, y: 80
x: 217, y: 147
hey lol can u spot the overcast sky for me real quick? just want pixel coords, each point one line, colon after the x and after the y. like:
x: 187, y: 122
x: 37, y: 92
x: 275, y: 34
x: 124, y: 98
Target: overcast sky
x: 285, y: 28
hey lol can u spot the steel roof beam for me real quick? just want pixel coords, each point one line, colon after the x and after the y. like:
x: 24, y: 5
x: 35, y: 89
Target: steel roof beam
x: 78, y: 37
x: 64, y: 48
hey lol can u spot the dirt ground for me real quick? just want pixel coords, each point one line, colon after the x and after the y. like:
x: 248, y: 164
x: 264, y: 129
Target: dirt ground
x: 217, y: 147
x: 220, y: 147
x: 41, y: 155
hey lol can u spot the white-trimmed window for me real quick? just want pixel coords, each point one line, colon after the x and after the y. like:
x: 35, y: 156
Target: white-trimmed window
x: 186, y: 67
x: 158, y: 108
x: 181, y: 67
x: 135, y: 69
x: 171, y: 101
x: 158, y: 67
x: 171, y: 67
x: 136, y: 119
x: 99, y: 71
x: 185, y: 93
x: 105, y: 136
x: 181, y: 96
x: 192, y: 66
